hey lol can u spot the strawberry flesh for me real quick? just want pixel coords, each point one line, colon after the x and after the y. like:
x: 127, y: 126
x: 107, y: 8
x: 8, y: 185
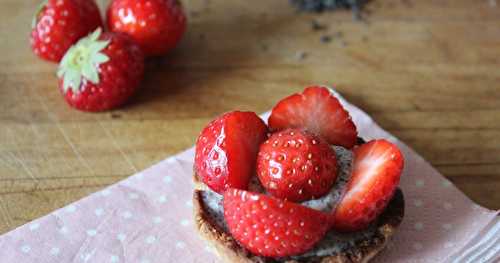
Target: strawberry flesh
x: 271, y: 227
x: 296, y: 165
x: 317, y: 110
x: 226, y: 150
x: 377, y: 168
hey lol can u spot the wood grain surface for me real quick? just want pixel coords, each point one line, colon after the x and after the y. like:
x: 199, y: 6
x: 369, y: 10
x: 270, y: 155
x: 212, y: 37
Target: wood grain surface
x: 427, y: 71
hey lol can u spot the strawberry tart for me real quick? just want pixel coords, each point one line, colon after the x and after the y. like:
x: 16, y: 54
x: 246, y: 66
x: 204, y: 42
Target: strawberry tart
x: 304, y: 188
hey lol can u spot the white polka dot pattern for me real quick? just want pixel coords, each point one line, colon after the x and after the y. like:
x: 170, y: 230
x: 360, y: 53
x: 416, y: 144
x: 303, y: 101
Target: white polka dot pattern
x: 63, y: 230
x: 70, y: 209
x: 26, y: 249
x: 157, y: 220
x: 150, y: 239
x: 127, y: 214
x: 98, y: 211
x: 162, y: 199
x: 34, y: 226
x: 55, y: 251
x: 180, y: 245
x: 121, y: 237
x: 91, y: 232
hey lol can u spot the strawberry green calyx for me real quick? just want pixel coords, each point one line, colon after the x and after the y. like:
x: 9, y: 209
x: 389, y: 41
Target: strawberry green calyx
x: 82, y: 61
x: 39, y: 10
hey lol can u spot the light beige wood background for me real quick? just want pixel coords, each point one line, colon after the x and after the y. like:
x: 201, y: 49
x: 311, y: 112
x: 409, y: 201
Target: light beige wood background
x: 427, y: 71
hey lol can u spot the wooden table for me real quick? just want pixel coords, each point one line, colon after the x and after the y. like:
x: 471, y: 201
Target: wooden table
x: 427, y: 71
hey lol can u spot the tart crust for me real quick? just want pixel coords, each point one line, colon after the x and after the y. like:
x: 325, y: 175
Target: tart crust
x: 229, y: 250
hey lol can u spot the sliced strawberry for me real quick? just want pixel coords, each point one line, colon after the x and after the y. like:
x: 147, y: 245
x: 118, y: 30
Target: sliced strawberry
x: 317, y: 110
x: 296, y: 165
x: 226, y: 150
x: 376, y: 171
x: 271, y: 227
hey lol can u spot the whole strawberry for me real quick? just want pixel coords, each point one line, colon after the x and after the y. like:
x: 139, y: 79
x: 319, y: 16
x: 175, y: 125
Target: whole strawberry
x: 272, y: 227
x: 227, y: 148
x: 59, y: 24
x: 156, y: 25
x: 296, y: 165
x: 101, y: 71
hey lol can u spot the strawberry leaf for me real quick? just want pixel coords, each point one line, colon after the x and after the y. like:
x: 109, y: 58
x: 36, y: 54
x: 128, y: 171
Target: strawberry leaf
x: 82, y: 61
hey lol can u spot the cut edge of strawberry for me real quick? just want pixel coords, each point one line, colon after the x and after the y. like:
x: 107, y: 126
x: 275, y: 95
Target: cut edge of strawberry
x: 378, y: 163
x: 356, y: 185
x: 255, y: 136
x: 345, y: 139
x: 251, y: 143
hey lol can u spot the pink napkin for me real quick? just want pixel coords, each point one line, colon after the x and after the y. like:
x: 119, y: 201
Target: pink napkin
x: 147, y: 218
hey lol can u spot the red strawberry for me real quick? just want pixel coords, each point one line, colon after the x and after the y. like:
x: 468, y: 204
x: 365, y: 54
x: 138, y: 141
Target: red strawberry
x: 156, y: 25
x: 376, y: 171
x: 296, y: 165
x: 101, y: 71
x: 60, y: 23
x: 317, y: 110
x: 272, y: 227
x: 226, y: 150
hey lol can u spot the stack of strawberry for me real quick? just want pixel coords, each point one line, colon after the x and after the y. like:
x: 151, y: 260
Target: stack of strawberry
x: 294, y: 161
x: 100, y: 70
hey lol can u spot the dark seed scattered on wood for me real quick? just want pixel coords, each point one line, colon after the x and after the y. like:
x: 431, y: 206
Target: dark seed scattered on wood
x: 407, y: 3
x: 325, y: 5
x: 317, y: 26
x: 326, y: 39
x: 301, y: 55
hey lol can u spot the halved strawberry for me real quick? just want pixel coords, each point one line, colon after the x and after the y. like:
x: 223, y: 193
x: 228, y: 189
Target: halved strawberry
x: 376, y: 171
x: 317, y: 110
x: 226, y: 150
x: 271, y: 227
x: 296, y: 165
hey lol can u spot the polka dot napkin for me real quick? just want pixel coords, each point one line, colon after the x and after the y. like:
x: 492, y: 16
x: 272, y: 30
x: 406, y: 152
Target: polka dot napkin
x: 147, y: 218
